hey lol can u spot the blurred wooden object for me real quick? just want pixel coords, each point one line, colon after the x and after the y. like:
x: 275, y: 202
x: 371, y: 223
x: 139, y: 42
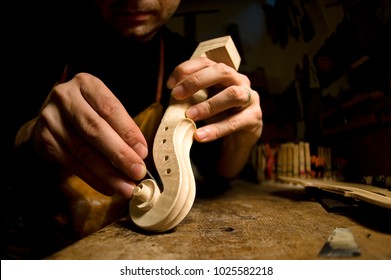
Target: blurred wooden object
x: 87, y: 209
x: 370, y: 194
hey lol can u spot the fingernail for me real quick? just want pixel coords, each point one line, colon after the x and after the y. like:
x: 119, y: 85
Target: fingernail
x: 141, y: 150
x: 201, y: 135
x: 125, y: 189
x: 178, y: 91
x: 138, y: 171
x: 192, y: 113
x: 171, y: 83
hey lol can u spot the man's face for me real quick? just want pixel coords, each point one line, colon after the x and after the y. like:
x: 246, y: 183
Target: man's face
x: 137, y: 19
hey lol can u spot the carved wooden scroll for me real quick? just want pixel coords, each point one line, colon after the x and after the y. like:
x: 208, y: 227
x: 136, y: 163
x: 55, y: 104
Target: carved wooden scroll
x: 159, y: 209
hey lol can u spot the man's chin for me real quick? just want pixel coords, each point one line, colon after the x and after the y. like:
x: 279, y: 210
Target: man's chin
x: 137, y: 34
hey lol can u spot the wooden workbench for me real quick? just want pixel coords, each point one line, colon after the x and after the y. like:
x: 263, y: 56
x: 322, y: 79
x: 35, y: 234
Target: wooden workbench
x: 249, y: 221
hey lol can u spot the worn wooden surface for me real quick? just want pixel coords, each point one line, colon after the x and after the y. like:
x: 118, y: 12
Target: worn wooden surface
x: 249, y: 221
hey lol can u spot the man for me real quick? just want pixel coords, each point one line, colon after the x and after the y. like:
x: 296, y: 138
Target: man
x: 120, y: 66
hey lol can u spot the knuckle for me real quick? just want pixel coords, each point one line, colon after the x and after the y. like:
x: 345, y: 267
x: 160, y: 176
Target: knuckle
x: 91, y: 128
x: 258, y: 116
x: 193, y: 82
x: 257, y: 123
x: 108, y: 106
x: 256, y: 113
x: 209, y: 107
x: 122, y: 155
x: 205, y: 61
x: 245, y: 79
x: 59, y: 92
x: 223, y: 69
x: 237, y: 93
x: 44, y: 116
x: 233, y: 124
x: 82, y: 77
x: 130, y: 135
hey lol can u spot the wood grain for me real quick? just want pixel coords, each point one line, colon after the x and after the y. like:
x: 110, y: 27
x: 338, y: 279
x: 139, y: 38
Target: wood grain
x: 249, y: 221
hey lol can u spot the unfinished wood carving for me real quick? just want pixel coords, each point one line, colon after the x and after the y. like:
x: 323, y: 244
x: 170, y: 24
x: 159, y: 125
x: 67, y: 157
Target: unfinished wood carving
x: 159, y: 209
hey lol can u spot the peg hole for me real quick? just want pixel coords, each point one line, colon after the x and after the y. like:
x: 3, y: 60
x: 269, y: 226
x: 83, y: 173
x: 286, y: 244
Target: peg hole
x: 164, y: 141
x: 168, y: 170
x: 166, y: 128
x: 165, y: 158
x: 227, y: 229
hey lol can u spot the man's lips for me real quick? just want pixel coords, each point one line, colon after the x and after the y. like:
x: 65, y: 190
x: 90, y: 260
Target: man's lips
x: 134, y: 16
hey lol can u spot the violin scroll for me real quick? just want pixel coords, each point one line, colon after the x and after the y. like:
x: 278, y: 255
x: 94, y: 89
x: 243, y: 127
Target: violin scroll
x: 160, y: 208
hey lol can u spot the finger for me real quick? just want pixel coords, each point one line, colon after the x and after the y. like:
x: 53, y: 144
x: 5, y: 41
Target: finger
x: 231, y: 97
x: 66, y: 159
x: 108, y: 182
x: 68, y: 148
x: 55, y: 151
x: 215, y: 74
x: 187, y: 68
x: 98, y: 132
x: 249, y: 120
x: 196, y: 74
x: 111, y: 110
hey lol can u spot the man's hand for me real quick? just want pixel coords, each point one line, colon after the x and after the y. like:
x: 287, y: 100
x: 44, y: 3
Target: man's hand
x: 84, y: 127
x: 232, y: 110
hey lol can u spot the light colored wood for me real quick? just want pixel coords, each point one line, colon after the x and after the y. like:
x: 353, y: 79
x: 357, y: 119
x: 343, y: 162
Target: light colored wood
x: 160, y: 208
x: 370, y: 194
